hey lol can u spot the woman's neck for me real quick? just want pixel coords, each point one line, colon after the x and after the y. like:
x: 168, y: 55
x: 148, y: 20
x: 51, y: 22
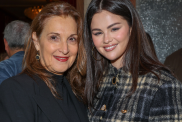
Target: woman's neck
x: 117, y: 63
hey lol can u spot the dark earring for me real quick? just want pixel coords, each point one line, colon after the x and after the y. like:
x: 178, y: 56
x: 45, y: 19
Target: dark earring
x: 37, y: 57
x: 94, y: 56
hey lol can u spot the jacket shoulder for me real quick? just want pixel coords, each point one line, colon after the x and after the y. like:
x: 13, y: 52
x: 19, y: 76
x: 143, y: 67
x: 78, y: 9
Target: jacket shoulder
x: 21, y: 81
x: 162, y: 77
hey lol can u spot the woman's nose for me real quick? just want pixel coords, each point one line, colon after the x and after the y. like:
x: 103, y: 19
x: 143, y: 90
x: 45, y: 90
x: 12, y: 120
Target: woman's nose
x: 64, y: 48
x: 107, y: 38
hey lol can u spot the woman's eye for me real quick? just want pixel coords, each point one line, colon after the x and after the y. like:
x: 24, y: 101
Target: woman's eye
x: 98, y: 33
x: 53, y: 37
x: 115, y: 29
x: 72, y: 40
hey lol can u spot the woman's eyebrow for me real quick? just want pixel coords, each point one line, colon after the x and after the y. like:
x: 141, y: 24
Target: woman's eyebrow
x: 96, y: 29
x: 53, y: 33
x: 74, y: 35
x: 113, y: 25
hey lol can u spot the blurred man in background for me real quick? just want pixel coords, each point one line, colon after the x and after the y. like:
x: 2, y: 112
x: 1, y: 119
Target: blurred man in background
x: 174, y: 62
x: 14, y: 40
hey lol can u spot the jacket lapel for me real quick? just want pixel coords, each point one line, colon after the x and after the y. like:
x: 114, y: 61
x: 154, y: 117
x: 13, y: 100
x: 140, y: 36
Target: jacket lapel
x: 48, y: 104
x: 80, y: 108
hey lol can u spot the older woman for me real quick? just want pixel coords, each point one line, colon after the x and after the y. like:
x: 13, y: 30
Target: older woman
x: 125, y: 80
x: 41, y: 93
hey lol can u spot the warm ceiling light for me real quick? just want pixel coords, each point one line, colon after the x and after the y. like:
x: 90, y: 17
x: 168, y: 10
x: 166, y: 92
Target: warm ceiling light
x: 31, y: 12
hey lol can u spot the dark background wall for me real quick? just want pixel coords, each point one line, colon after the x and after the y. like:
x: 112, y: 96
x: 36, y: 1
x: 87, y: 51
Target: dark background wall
x: 5, y: 19
x: 162, y: 19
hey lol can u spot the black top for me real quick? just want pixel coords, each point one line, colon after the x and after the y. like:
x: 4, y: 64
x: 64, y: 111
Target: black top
x: 66, y: 101
x: 27, y: 99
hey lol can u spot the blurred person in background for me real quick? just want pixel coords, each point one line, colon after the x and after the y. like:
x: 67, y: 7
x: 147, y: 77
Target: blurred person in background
x: 174, y: 62
x: 51, y: 85
x: 14, y: 40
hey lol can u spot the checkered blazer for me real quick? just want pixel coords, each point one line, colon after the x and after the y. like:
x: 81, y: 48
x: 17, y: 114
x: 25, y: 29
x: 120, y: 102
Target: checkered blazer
x: 154, y: 100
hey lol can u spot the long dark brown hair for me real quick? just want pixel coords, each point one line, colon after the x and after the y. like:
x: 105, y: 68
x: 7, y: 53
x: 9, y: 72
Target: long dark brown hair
x: 33, y: 67
x: 138, y: 57
x: 151, y: 43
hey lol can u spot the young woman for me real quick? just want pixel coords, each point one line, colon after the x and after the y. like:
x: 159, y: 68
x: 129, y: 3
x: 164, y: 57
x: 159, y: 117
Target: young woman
x: 125, y: 81
x: 55, y: 50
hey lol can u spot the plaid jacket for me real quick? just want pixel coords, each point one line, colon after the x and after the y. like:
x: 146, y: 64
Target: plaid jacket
x: 154, y: 100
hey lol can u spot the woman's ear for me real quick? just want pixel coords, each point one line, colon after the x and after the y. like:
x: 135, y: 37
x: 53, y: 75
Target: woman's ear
x: 35, y: 41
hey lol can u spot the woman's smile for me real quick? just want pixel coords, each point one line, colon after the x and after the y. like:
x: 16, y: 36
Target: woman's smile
x: 61, y: 58
x: 110, y: 47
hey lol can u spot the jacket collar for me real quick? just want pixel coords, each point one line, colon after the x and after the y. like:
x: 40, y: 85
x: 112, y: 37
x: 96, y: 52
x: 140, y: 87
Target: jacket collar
x: 78, y: 105
x: 49, y: 105
x: 113, y: 71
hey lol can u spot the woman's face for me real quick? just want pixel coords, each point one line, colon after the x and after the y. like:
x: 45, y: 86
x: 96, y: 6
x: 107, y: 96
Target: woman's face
x: 57, y: 45
x: 110, y: 34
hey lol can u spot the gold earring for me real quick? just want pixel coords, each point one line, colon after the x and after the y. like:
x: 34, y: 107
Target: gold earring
x: 37, y: 57
x: 93, y: 54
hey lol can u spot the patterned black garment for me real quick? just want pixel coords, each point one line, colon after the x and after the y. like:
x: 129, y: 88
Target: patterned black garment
x: 153, y: 100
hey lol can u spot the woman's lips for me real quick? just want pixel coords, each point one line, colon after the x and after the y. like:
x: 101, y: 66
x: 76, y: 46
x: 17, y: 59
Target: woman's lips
x: 110, y: 47
x: 60, y: 58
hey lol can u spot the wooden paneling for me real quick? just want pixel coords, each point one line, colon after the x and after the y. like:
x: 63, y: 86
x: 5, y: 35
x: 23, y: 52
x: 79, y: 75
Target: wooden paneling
x: 72, y: 2
x: 133, y: 2
x: 80, y: 7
